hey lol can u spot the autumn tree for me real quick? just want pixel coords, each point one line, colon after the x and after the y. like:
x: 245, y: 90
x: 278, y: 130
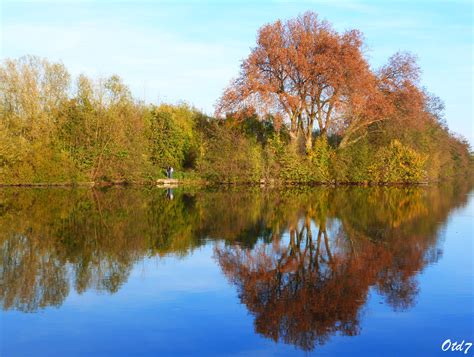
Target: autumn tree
x: 31, y: 90
x: 103, y: 128
x: 398, y: 80
x: 307, y: 72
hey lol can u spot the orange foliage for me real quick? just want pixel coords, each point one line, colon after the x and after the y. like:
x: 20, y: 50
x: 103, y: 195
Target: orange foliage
x: 309, y: 74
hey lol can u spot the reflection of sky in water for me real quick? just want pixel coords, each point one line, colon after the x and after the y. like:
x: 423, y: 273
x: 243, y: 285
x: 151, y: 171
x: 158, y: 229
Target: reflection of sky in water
x: 187, y: 305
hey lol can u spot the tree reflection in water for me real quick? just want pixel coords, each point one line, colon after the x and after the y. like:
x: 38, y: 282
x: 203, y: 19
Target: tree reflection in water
x: 303, y: 259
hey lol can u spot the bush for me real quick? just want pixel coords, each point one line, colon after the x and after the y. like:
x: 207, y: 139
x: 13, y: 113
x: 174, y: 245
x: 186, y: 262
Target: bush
x: 351, y: 164
x: 173, y: 140
x: 230, y: 156
x: 284, y: 163
x: 398, y: 164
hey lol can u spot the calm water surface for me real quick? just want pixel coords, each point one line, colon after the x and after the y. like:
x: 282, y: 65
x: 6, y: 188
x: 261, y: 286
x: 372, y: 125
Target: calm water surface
x: 324, y: 271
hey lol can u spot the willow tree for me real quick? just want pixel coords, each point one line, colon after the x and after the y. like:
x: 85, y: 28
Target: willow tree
x: 307, y: 73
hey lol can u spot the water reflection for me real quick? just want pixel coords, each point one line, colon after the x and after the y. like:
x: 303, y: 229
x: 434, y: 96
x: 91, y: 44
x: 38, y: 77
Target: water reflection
x: 313, y: 284
x: 302, y: 260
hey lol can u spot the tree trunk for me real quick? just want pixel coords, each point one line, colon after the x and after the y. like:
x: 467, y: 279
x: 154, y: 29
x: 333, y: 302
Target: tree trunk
x: 309, y: 136
x: 308, y: 142
x: 324, y: 133
x: 293, y: 131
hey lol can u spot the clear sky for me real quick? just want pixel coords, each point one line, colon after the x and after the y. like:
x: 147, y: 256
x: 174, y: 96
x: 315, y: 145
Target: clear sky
x: 189, y: 50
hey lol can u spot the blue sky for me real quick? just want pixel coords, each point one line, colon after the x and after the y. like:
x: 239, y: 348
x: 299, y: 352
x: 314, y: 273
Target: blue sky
x: 190, y: 50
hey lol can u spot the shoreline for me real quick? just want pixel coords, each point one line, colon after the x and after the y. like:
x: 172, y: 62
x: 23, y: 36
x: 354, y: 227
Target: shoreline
x: 174, y: 183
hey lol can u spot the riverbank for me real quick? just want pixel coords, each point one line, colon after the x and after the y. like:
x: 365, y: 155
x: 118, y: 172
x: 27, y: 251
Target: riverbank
x: 172, y: 183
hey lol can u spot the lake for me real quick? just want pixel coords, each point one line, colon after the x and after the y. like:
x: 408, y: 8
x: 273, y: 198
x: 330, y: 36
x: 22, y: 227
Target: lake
x: 134, y: 271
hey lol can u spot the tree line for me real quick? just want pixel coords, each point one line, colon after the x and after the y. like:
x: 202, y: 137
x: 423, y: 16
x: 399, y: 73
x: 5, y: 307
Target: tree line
x: 305, y: 107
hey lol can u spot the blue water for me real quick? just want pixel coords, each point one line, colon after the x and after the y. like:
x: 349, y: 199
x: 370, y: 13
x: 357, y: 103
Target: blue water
x: 182, y: 299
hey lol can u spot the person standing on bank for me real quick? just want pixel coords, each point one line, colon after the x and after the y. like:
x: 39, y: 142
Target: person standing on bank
x: 169, y: 172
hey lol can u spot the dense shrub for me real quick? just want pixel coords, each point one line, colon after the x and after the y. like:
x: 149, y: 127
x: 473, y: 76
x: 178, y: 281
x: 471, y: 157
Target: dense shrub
x: 351, y: 164
x: 397, y: 163
x: 230, y: 156
x: 285, y: 163
x: 173, y: 138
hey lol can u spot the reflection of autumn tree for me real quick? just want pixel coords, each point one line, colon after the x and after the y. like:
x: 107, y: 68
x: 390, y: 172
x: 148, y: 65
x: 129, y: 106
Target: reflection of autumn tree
x: 306, y: 289
x: 55, y: 240
x: 406, y: 221
x: 311, y: 283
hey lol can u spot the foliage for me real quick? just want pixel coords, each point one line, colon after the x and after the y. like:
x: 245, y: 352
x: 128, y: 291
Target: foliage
x: 55, y: 132
x: 287, y: 165
x: 351, y: 164
x: 174, y: 140
x: 230, y: 156
x: 304, y: 71
x: 397, y: 163
x: 104, y: 131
